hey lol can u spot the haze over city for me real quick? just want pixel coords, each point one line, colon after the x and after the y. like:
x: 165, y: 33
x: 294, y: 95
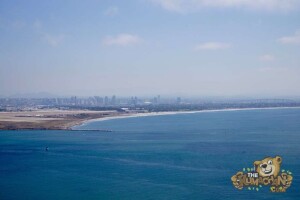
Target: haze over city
x: 149, y: 99
x: 150, y: 47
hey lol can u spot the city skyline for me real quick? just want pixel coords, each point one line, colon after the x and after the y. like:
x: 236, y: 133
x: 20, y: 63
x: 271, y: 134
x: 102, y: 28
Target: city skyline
x: 150, y: 47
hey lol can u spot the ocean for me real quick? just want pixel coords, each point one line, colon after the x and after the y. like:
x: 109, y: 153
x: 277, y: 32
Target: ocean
x: 182, y: 156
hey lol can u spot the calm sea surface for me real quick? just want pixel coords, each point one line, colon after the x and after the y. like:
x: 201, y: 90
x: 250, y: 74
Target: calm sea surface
x: 183, y: 156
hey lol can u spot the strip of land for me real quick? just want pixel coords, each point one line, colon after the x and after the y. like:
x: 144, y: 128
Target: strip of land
x: 51, y: 119
x: 54, y: 119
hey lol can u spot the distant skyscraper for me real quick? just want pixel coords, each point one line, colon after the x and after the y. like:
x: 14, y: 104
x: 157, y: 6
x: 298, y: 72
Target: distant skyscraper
x: 134, y: 100
x: 99, y: 101
x: 92, y: 101
x: 73, y: 100
x: 178, y: 100
x: 113, y: 100
x: 106, y: 100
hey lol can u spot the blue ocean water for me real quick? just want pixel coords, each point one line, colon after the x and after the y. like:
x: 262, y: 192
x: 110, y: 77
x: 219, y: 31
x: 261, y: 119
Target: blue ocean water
x: 183, y: 156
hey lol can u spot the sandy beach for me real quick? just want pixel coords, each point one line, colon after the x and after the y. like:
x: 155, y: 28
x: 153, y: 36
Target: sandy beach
x: 132, y: 115
x: 71, y: 119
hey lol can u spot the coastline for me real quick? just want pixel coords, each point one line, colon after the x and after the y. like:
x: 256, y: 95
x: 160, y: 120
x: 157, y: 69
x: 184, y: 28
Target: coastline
x: 133, y: 115
x: 48, y: 119
x: 73, y: 120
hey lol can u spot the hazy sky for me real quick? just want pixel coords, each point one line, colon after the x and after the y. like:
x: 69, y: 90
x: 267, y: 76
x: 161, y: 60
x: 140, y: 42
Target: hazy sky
x: 149, y: 47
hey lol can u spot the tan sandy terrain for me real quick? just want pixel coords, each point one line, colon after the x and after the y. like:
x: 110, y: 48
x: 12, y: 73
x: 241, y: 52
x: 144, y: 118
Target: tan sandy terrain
x: 49, y: 119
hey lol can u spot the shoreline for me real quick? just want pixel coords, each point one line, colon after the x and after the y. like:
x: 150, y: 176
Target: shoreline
x: 76, y: 119
x: 51, y: 119
x: 150, y: 114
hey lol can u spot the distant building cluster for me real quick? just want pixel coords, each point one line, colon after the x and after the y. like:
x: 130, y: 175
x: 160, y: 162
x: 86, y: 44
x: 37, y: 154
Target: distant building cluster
x: 93, y: 101
x: 112, y: 101
x: 150, y: 104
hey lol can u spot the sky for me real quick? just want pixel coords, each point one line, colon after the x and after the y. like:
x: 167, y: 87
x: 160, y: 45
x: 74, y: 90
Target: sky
x: 150, y: 47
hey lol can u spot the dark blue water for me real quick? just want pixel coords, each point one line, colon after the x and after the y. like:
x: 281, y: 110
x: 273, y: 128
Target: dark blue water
x: 185, y: 156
